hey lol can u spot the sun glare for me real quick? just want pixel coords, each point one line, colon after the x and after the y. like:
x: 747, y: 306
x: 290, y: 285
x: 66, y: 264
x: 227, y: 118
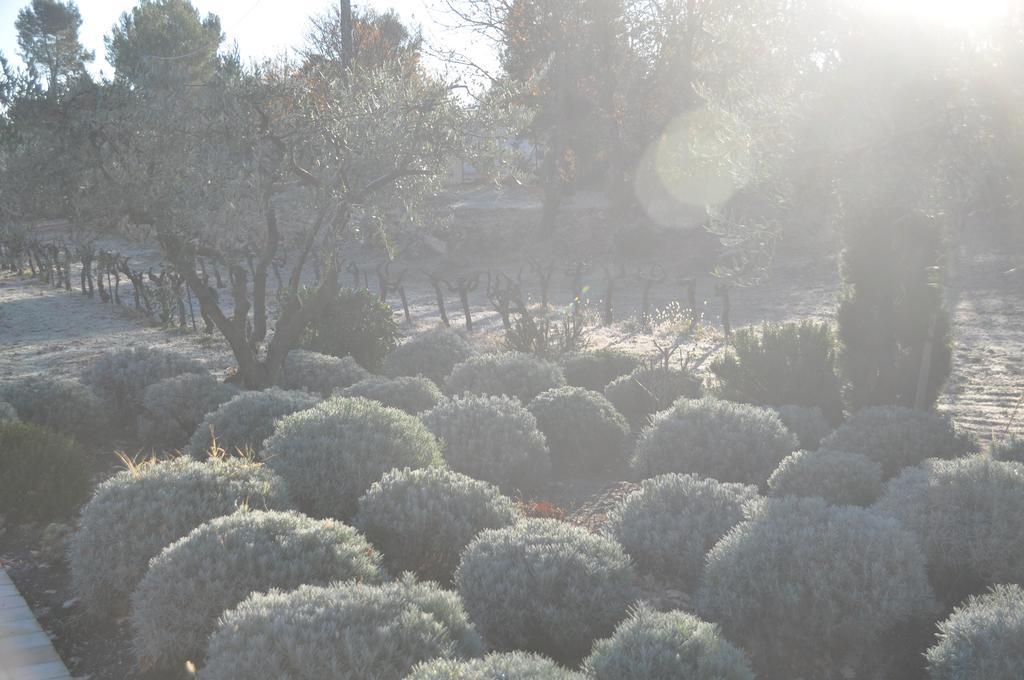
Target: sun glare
x: 968, y: 14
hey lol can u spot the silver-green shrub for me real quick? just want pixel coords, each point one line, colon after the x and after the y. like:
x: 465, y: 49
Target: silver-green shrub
x: 494, y: 439
x: 218, y: 564
x: 422, y: 519
x: 244, y: 423
x: 65, y: 406
x: 584, y: 432
x: 174, y: 407
x: 330, y: 454
x: 968, y: 515
x: 594, y: 370
x: 806, y: 587
x: 652, y: 645
x: 897, y: 437
x: 807, y: 423
x: 645, y: 391
x: 507, y: 666
x: 119, y: 378
x: 320, y: 373
x: 411, y: 394
x: 714, y: 438
x: 432, y: 354
x: 137, y: 512
x: 511, y: 374
x: 839, y: 477
x: 8, y: 414
x: 982, y: 639
x: 545, y: 586
x: 1008, y: 450
x: 344, y: 631
x: 670, y: 523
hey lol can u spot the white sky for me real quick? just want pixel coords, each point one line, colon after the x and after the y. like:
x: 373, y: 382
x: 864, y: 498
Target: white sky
x: 261, y: 27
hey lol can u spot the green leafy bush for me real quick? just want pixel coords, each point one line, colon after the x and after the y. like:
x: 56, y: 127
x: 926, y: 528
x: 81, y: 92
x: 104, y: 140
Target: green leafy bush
x: 670, y: 523
x: 174, y: 407
x: 355, y: 323
x: 137, y: 512
x: 346, y: 631
x: 594, y: 370
x: 584, y: 432
x: 319, y: 373
x: 330, y: 454
x: 897, y: 437
x: 645, y: 391
x: 422, y: 519
x: 218, y: 564
x: 64, y: 406
x: 806, y: 587
x: 966, y: 514
x: 652, y: 645
x: 807, y: 423
x: 778, y: 364
x: 983, y: 639
x: 545, y: 586
x: 839, y: 477
x: 714, y: 438
x: 1008, y: 450
x: 523, y: 376
x: 890, y: 307
x: 432, y: 354
x: 8, y: 414
x: 508, y: 666
x: 494, y: 439
x: 120, y: 377
x: 42, y: 474
x: 409, y: 394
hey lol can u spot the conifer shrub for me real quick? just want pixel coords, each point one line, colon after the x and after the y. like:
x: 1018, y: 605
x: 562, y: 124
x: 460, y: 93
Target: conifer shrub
x: 983, y: 638
x: 645, y: 391
x: 807, y: 423
x: 897, y: 437
x: 355, y: 323
x: 584, y: 432
x: 714, y: 438
x: 174, y: 407
x: 133, y: 515
x: 594, y: 370
x: 342, y: 631
x: 507, y: 666
x: 512, y: 374
x: 432, y: 354
x: 242, y: 424
x: 60, y: 405
x: 412, y: 394
x: 421, y: 520
x: 218, y: 564
x: 652, y: 645
x: 545, y: 586
x: 330, y: 454
x: 43, y: 475
x: 839, y: 477
x: 494, y: 439
x: 672, y: 521
x: 806, y: 587
x: 120, y: 377
x: 319, y: 373
x: 778, y: 364
x: 966, y: 514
